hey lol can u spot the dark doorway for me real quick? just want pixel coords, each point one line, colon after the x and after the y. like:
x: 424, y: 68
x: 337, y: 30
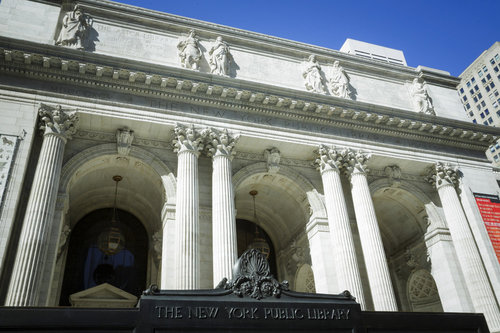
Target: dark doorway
x: 245, y: 231
x: 87, y: 265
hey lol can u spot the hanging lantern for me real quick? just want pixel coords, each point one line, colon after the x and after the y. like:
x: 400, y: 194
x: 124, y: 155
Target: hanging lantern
x: 111, y: 240
x: 258, y: 242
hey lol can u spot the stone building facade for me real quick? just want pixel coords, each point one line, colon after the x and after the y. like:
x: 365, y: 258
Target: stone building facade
x: 365, y: 171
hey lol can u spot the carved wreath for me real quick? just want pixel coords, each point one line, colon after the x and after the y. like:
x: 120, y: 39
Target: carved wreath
x: 252, y: 277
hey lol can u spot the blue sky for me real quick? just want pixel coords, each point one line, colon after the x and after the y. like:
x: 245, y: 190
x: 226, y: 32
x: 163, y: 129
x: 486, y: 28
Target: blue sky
x: 442, y: 34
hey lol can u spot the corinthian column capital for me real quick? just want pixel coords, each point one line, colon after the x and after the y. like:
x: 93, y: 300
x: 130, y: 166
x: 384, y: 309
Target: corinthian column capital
x: 356, y: 162
x: 55, y: 120
x: 220, y: 143
x: 330, y: 158
x: 442, y: 174
x: 187, y: 139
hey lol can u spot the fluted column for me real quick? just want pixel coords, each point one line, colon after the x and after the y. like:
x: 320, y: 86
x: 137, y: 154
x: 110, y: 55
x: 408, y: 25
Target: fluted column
x: 188, y: 144
x: 220, y: 147
x: 445, y: 178
x: 344, y: 253
x: 369, y: 232
x: 58, y: 126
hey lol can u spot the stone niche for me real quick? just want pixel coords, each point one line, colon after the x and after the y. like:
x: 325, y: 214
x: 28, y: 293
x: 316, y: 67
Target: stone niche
x: 103, y: 296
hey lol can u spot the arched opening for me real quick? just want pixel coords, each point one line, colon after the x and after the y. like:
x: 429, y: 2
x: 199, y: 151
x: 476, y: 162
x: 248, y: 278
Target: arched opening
x: 402, y: 219
x: 422, y: 292
x: 89, y: 265
x: 304, y: 279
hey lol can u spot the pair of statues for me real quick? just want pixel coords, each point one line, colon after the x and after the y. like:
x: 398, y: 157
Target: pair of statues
x: 190, y: 54
x: 314, y: 80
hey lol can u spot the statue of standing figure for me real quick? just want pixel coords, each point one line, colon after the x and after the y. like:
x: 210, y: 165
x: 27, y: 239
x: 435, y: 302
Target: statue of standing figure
x: 220, y: 58
x: 312, y: 76
x: 74, y: 31
x: 190, y: 52
x: 421, y: 98
x: 338, y: 83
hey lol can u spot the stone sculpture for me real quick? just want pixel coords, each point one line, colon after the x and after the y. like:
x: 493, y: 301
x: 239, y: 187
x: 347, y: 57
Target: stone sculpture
x: 338, y: 83
x: 312, y: 76
x: 421, y: 98
x: 74, y: 30
x: 220, y: 58
x: 190, y: 52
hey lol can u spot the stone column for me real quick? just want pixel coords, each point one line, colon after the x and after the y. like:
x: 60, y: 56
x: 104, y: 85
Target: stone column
x: 220, y: 147
x: 445, y: 178
x: 369, y: 233
x: 187, y: 144
x: 57, y: 125
x: 344, y: 253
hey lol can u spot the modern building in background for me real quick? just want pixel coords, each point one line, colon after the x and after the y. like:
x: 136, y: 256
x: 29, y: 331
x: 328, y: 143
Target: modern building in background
x: 479, y: 92
x: 139, y: 148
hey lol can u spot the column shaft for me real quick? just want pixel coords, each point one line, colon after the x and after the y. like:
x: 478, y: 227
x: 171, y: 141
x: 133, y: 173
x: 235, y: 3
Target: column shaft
x: 224, y: 219
x: 33, y: 242
x: 187, y: 258
x: 371, y: 243
x: 469, y: 258
x: 344, y: 252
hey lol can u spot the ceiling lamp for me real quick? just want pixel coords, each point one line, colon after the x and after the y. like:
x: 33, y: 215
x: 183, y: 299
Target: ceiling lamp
x: 258, y: 243
x: 111, y: 240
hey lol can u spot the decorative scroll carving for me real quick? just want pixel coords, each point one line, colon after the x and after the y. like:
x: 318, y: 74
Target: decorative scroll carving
x: 330, y: 158
x: 75, y: 29
x: 220, y: 143
x: 338, y: 83
x: 442, y: 174
x: 356, y: 161
x: 252, y: 277
x: 393, y: 172
x: 54, y: 120
x: 313, y: 78
x: 124, y: 138
x: 189, y: 51
x: 273, y: 157
x: 421, y: 99
x: 220, y: 58
x: 187, y: 139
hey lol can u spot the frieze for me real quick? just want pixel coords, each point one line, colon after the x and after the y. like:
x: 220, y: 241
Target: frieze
x: 297, y: 110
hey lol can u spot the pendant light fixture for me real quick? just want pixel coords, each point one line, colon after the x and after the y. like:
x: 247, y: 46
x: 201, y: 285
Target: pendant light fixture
x: 111, y: 240
x: 258, y: 243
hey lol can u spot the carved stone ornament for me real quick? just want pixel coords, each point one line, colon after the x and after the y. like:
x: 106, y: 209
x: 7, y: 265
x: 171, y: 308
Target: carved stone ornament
x: 393, y: 172
x: 187, y: 139
x: 157, y: 240
x: 338, y: 83
x: 124, y: 138
x: 313, y: 77
x: 330, y: 158
x: 220, y: 143
x: 252, y: 277
x: 55, y: 120
x: 220, y: 58
x: 75, y: 29
x: 356, y: 161
x: 442, y: 174
x: 189, y: 51
x: 273, y: 158
x: 420, y: 97
x: 63, y: 239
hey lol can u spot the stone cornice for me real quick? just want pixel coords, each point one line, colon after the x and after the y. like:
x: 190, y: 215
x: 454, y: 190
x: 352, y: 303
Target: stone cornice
x: 71, y: 66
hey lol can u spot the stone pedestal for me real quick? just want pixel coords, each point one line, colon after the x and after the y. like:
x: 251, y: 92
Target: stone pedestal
x: 344, y: 253
x: 188, y: 144
x: 58, y: 126
x: 220, y: 148
x: 446, y: 180
x: 371, y: 240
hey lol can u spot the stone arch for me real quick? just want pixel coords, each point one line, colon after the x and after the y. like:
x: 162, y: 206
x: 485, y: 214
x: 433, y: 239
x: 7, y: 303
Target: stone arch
x: 304, y: 279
